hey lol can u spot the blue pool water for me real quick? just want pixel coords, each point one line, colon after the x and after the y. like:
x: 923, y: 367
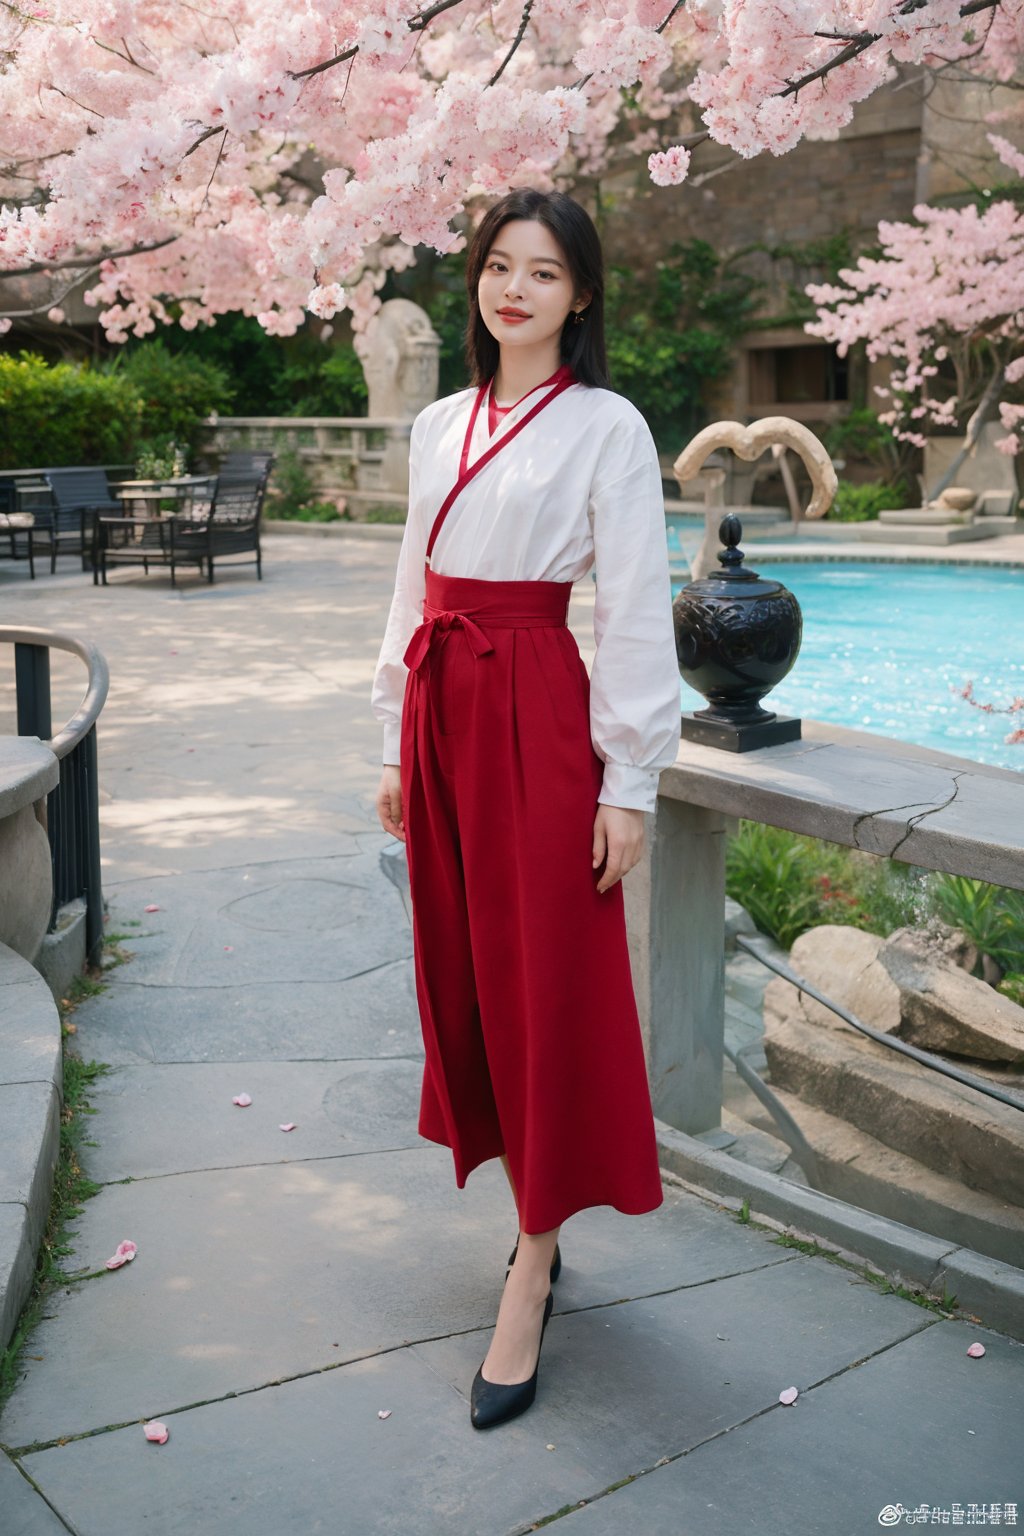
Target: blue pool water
x: 885, y: 643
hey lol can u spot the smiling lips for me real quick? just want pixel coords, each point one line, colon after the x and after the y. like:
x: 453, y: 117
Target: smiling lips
x: 513, y: 314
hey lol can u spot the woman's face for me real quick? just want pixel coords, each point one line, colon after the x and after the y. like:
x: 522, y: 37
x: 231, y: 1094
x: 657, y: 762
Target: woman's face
x: 526, y: 274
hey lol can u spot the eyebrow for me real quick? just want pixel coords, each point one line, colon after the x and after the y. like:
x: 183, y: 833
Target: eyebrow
x: 550, y: 261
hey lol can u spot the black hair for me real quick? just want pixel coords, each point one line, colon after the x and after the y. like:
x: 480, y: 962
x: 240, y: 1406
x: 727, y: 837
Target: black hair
x: 583, y: 346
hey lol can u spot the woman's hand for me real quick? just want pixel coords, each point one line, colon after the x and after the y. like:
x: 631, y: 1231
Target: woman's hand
x: 389, y: 801
x: 619, y: 837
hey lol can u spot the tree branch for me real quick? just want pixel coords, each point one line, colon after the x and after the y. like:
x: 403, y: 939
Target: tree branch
x: 85, y: 261
x: 415, y: 24
x: 523, y: 21
x: 859, y: 42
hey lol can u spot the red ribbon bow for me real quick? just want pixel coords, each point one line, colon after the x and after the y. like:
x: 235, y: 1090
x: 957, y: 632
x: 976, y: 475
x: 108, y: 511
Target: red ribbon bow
x: 443, y: 620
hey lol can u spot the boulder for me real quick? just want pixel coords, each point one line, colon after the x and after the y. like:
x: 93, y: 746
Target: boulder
x: 924, y: 998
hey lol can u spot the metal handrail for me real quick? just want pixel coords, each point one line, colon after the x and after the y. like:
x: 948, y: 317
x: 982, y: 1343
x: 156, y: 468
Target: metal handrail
x: 88, y: 712
x: 926, y: 1058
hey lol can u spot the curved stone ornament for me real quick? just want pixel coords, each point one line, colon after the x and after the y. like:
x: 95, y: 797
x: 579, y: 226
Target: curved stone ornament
x: 749, y: 443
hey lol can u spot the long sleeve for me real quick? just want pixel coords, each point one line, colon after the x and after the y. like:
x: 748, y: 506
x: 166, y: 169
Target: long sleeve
x: 405, y: 616
x: 634, y: 682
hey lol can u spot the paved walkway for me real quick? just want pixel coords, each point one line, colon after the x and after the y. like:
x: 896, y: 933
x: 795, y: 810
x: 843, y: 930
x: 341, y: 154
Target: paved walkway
x: 292, y: 1286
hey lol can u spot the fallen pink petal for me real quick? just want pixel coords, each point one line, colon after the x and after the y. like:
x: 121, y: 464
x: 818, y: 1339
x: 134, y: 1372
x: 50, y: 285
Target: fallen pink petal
x: 976, y: 1351
x: 383, y: 1413
x: 123, y: 1254
x: 228, y: 949
x: 289, y: 1127
x: 243, y: 1100
x: 790, y: 1395
x: 156, y: 1431
x: 151, y: 908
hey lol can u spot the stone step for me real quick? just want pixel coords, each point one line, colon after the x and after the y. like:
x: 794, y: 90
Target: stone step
x: 942, y: 1125
x: 865, y: 1172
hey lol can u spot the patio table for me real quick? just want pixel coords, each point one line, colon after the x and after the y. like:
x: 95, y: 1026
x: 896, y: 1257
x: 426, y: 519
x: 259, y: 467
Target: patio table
x: 146, y: 496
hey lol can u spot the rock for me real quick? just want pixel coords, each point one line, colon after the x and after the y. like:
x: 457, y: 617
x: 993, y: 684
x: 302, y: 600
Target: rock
x: 923, y: 998
x: 937, y: 938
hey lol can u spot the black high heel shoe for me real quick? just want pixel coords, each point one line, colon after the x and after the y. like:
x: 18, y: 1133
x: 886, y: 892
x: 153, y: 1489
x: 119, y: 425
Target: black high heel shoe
x: 493, y: 1402
x: 556, y: 1263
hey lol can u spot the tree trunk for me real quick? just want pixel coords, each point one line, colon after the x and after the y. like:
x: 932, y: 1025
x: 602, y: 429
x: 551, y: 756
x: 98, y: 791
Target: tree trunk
x: 985, y: 411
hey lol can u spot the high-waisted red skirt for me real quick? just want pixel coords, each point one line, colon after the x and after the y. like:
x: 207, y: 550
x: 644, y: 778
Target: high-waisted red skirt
x: 530, y: 1028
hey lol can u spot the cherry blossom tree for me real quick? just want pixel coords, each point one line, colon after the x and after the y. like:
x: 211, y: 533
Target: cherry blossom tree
x: 947, y: 289
x: 277, y: 156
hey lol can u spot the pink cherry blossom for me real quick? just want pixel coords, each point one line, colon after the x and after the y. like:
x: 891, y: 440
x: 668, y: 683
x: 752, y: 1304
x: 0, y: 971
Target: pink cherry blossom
x: 123, y: 1254
x: 178, y: 151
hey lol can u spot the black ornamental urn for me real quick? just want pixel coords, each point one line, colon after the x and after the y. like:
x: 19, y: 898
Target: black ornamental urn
x: 737, y: 635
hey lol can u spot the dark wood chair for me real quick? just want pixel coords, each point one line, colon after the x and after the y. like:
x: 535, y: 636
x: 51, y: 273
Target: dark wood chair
x: 68, y: 526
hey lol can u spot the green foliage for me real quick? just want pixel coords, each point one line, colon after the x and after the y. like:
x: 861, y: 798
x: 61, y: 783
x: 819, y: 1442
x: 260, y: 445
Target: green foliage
x: 271, y: 375
x: 178, y: 392
x: 292, y: 494
x: 68, y: 414
x: 1012, y: 986
x: 786, y: 882
x: 859, y: 503
x: 861, y: 436
x: 385, y: 514
x: 789, y: 883
x: 668, y: 341
x: 991, y: 917
x: 291, y: 487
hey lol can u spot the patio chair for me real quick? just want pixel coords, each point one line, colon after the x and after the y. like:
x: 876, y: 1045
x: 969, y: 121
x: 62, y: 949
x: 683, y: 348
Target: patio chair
x: 16, y: 528
x: 68, y: 526
x: 231, y: 526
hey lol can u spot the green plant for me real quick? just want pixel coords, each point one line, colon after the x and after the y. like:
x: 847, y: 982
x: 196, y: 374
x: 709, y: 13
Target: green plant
x: 178, y: 391
x: 861, y: 436
x: 859, y: 503
x: 160, y: 459
x: 786, y: 882
x: 291, y: 487
x: 991, y: 917
x: 663, y: 352
x: 1012, y: 986
x: 385, y: 514
x: 66, y: 414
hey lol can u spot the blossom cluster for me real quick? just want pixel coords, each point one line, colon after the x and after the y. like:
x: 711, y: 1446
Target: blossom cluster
x: 280, y: 156
x: 950, y: 283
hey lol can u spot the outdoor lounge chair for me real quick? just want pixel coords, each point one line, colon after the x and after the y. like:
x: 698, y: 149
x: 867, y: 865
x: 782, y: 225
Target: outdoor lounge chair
x: 231, y: 526
x: 68, y: 526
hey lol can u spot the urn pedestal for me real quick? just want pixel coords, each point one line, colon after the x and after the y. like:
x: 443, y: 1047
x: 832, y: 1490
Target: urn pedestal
x: 737, y: 635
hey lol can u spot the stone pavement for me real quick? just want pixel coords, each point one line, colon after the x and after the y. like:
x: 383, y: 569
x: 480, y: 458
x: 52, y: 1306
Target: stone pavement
x: 289, y: 1286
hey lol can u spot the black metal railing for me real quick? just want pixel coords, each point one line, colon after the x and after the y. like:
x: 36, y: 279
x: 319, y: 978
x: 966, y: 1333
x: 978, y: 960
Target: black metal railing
x: 72, y: 809
x: 789, y: 1130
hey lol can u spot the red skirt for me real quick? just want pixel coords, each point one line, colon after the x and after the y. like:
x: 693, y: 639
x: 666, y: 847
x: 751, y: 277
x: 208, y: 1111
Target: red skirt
x: 530, y: 1027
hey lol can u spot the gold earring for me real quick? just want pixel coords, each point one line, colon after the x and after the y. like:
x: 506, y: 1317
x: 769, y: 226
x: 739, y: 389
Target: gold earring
x: 577, y: 318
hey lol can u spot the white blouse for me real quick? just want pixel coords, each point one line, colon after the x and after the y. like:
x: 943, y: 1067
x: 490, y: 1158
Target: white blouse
x: 579, y: 487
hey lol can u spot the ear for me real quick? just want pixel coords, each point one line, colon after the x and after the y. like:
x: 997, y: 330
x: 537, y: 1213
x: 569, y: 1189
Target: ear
x: 582, y: 300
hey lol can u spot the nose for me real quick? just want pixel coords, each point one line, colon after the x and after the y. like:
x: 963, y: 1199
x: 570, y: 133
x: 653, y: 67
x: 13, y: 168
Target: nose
x: 513, y: 287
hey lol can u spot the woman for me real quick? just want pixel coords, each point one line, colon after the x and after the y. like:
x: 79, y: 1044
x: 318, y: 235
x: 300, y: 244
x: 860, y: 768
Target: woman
x: 518, y: 785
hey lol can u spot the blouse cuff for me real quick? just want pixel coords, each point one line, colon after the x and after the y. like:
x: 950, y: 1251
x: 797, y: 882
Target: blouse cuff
x: 393, y: 742
x: 631, y: 788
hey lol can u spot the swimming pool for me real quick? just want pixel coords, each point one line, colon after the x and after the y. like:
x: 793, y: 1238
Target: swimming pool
x: 886, y: 642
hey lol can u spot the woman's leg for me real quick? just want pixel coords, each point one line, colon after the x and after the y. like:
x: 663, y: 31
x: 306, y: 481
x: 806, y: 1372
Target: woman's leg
x: 511, y: 1181
x: 513, y: 1352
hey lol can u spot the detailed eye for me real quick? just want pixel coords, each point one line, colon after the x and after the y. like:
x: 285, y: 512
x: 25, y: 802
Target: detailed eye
x: 545, y: 274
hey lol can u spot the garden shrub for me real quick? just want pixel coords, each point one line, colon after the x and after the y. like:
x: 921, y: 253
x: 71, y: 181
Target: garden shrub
x: 859, y: 503
x: 177, y: 392
x: 62, y: 415
x: 789, y: 883
x: 292, y: 494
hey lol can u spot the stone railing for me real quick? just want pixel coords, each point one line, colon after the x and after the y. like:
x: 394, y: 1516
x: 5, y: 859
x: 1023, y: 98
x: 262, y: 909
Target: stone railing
x: 868, y: 792
x: 365, y: 461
